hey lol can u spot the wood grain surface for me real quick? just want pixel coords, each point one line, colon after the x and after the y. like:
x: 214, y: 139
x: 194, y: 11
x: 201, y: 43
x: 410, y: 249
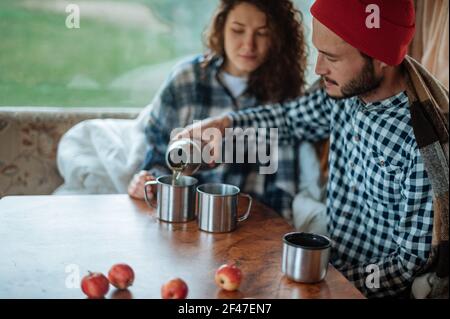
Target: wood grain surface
x: 47, y: 243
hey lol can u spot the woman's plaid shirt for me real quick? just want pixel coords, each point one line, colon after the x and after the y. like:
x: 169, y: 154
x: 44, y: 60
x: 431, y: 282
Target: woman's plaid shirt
x: 194, y: 92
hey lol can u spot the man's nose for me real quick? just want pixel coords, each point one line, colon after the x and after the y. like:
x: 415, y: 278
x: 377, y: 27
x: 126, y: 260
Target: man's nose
x: 321, y: 68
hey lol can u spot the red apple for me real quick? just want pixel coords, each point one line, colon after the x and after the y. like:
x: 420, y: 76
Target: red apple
x: 121, y: 276
x: 174, y: 289
x: 95, y: 285
x: 228, y: 277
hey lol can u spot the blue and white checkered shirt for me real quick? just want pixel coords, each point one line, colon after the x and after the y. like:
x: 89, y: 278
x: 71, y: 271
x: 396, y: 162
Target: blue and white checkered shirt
x: 379, y: 198
x: 193, y: 92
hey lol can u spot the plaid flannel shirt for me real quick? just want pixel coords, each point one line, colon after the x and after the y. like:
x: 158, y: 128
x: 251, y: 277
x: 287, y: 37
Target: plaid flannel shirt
x: 379, y: 198
x: 193, y: 92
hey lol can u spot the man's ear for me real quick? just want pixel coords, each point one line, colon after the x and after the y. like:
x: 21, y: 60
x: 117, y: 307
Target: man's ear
x: 379, y: 65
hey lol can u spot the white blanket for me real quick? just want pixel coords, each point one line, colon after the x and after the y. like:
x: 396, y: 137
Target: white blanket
x: 309, y: 205
x: 100, y: 156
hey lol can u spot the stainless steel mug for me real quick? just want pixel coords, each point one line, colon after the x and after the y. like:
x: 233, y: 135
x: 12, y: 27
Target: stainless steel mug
x: 175, y: 201
x: 217, y: 207
x: 305, y: 256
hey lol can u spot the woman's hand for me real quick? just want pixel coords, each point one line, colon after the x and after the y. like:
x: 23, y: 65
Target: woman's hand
x: 136, y: 186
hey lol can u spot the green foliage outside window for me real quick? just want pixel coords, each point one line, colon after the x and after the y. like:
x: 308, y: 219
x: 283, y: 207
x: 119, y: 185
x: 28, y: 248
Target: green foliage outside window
x: 119, y: 56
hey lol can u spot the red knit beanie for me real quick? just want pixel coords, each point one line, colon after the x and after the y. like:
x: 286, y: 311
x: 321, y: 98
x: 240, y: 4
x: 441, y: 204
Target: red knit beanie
x: 347, y: 18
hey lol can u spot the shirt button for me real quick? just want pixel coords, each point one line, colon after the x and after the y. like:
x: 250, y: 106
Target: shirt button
x: 356, y: 138
x: 346, y: 214
x: 353, y: 189
x: 352, y: 165
x: 382, y: 163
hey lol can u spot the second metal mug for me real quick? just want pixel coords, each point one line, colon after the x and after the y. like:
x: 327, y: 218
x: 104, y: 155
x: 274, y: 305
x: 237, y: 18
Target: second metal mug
x: 175, y: 202
x: 305, y: 256
x: 217, y: 207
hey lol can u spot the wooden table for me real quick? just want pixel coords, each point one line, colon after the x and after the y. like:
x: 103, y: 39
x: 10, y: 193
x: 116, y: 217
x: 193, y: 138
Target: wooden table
x: 48, y: 242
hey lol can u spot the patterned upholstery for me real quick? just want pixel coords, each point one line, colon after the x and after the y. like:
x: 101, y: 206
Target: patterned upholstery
x: 29, y: 139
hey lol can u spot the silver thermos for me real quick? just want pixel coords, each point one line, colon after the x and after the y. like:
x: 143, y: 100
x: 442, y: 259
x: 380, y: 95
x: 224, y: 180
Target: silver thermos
x: 184, y: 156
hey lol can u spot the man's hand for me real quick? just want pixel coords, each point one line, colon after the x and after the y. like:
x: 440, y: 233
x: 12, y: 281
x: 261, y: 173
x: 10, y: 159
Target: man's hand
x: 197, y: 132
x: 218, y: 122
x: 136, y: 186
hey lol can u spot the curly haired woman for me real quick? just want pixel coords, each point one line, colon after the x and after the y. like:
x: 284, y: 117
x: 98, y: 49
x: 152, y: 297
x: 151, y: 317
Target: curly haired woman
x: 256, y: 54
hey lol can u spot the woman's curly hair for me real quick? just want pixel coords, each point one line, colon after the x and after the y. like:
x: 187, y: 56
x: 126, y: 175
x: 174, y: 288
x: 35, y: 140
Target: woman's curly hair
x: 282, y: 76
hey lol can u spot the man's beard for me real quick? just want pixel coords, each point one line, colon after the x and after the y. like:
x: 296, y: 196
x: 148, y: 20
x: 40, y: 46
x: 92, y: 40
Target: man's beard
x: 365, y: 82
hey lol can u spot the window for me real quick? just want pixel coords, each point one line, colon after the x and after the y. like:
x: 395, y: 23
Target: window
x: 119, y: 56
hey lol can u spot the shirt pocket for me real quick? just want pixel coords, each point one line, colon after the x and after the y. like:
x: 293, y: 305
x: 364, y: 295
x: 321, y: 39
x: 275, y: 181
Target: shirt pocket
x: 383, y: 180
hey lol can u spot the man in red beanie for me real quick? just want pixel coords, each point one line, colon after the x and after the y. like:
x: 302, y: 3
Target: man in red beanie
x: 357, y: 56
x: 379, y: 196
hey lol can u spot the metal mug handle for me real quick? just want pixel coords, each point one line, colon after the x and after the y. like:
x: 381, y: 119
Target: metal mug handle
x: 147, y: 184
x: 247, y: 213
